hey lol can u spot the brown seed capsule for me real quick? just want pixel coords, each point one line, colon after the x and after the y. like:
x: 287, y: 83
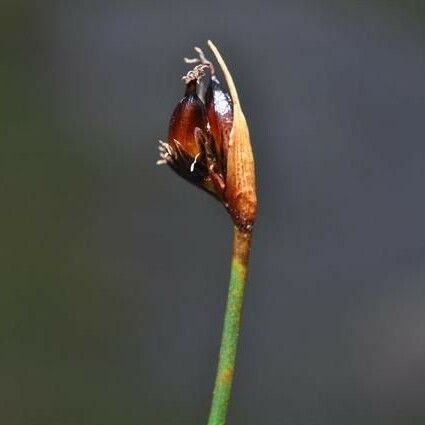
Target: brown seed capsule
x: 188, y: 114
x: 240, y: 192
x: 185, y: 151
x: 220, y: 117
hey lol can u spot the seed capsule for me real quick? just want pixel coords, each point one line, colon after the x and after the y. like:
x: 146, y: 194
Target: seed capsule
x: 188, y: 114
x: 220, y: 117
x: 188, y: 136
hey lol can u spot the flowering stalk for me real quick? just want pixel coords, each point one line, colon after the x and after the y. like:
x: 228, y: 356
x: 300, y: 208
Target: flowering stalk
x: 209, y: 145
x: 232, y: 320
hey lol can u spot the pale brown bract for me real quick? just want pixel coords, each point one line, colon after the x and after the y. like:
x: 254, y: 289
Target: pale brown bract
x: 240, y: 180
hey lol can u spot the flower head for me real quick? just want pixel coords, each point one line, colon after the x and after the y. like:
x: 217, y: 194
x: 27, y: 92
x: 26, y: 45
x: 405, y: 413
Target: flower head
x: 208, y: 142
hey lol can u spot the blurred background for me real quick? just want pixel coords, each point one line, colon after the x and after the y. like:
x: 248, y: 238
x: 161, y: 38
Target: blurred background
x: 114, y: 272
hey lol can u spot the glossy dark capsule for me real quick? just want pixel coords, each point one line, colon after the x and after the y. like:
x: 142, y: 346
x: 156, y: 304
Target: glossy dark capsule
x: 188, y: 114
x: 220, y: 117
x: 188, y: 140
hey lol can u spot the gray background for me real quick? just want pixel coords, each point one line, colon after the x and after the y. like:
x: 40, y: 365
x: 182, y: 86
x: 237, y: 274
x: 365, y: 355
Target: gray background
x: 114, y: 271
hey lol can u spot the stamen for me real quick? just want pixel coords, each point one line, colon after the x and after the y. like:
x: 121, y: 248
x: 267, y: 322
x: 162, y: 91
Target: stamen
x: 166, y: 149
x: 165, y: 153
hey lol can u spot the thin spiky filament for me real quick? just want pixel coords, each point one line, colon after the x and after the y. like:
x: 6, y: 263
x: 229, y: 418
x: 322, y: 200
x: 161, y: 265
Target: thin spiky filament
x: 201, y: 60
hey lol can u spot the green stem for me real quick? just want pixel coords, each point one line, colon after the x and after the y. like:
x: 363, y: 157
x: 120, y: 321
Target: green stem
x: 229, y: 339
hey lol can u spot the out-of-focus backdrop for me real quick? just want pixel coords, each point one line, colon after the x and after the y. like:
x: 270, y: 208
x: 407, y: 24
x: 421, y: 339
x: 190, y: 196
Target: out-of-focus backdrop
x: 114, y: 271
